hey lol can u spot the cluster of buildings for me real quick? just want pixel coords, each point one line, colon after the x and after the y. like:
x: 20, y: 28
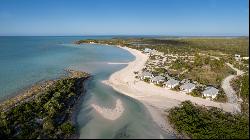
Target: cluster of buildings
x: 237, y: 57
x: 185, y: 86
x: 162, y: 60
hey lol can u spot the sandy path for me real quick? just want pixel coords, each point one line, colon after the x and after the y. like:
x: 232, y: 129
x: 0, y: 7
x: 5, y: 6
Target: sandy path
x: 109, y: 113
x: 231, y: 94
x: 228, y: 89
x: 155, y: 98
x: 239, y: 72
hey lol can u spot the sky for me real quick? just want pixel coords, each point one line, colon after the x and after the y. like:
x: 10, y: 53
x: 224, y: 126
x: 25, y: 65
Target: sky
x: 124, y: 17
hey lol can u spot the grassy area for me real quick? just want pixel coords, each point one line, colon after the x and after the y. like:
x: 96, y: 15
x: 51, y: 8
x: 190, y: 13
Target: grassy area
x: 45, y: 115
x: 221, y: 97
x: 204, y: 70
x: 207, y: 76
x: 201, y: 123
x: 219, y: 45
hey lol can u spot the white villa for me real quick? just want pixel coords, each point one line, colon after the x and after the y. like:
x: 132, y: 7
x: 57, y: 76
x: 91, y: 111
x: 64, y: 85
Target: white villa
x: 210, y: 92
x: 237, y: 57
x: 245, y: 58
x: 172, y: 83
x: 157, y: 79
x: 145, y: 75
x: 187, y: 87
x: 147, y: 50
x: 184, y: 81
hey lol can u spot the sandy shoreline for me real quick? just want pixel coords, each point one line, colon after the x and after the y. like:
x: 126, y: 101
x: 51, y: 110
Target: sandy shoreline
x: 156, y: 99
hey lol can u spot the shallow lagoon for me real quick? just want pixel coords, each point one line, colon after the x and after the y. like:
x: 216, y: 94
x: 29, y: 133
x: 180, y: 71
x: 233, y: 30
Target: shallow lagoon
x: 27, y: 60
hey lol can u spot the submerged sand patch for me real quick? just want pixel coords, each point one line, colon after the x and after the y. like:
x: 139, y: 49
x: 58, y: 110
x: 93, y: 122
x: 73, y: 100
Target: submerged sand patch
x: 110, y: 113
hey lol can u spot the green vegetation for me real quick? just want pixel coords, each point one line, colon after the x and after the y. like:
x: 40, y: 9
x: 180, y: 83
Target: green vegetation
x: 196, y: 93
x: 160, y: 84
x: 183, y: 45
x: 176, y: 88
x: 204, y: 68
x: 147, y: 80
x: 192, y: 45
x: 45, y: 115
x: 221, y: 97
x: 180, y: 64
x: 208, y: 71
x: 241, y: 86
x: 200, y: 123
x: 86, y: 41
x: 159, y: 71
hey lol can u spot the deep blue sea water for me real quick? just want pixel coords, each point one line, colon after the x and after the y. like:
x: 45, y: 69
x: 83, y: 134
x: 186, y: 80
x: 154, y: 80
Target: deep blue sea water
x: 27, y: 60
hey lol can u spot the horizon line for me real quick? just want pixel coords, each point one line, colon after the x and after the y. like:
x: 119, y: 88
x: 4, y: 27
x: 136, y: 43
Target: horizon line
x: 128, y: 35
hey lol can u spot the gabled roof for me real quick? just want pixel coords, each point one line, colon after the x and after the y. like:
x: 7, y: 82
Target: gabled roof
x: 147, y: 50
x: 187, y: 86
x: 145, y: 73
x: 158, y: 78
x: 172, y: 82
x: 210, y: 91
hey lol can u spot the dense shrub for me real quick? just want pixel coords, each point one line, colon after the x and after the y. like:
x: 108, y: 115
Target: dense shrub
x: 202, y: 123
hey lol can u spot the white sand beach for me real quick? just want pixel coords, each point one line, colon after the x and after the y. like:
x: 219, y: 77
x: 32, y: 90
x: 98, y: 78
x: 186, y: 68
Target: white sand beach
x: 156, y: 99
x: 110, y: 113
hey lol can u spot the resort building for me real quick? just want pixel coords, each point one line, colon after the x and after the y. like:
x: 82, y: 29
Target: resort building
x: 184, y: 81
x: 145, y: 75
x: 245, y: 58
x: 158, y: 79
x: 147, y: 50
x: 237, y: 57
x: 172, y: 83
x: 187, y: 87
x: 210, y: 92
x: 167, y: 76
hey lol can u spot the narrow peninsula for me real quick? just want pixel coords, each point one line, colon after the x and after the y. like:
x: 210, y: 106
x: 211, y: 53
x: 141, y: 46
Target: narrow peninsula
x: 44, y: 110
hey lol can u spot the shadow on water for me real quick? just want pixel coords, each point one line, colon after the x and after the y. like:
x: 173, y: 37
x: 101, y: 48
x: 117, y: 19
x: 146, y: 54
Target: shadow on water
x: 87, y: 117
x: 83, y: 108
x: 122, y: 133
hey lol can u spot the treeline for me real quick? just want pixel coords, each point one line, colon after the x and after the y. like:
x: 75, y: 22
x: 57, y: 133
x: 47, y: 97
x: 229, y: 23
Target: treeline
x: 47, y: 115
x: 183, y: 45
x: 201, y: 123
x: 224, y: 45
x: 85, y: 41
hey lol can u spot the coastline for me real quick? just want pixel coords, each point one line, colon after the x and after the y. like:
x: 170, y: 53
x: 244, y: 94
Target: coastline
x: 78, y: 81
x: 156, y: 99
x: 123, y: 88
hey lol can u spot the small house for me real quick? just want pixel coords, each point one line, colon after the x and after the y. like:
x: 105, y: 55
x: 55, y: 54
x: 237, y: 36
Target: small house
x: 187, y: 87
x: 145, y: 75
x: 237, y: 57
x: 147, y: 50
x: 172, y: 83
x: 184, y: 81
x: 158, y: 79
x: 245, y: 58
x: 210, y: 92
